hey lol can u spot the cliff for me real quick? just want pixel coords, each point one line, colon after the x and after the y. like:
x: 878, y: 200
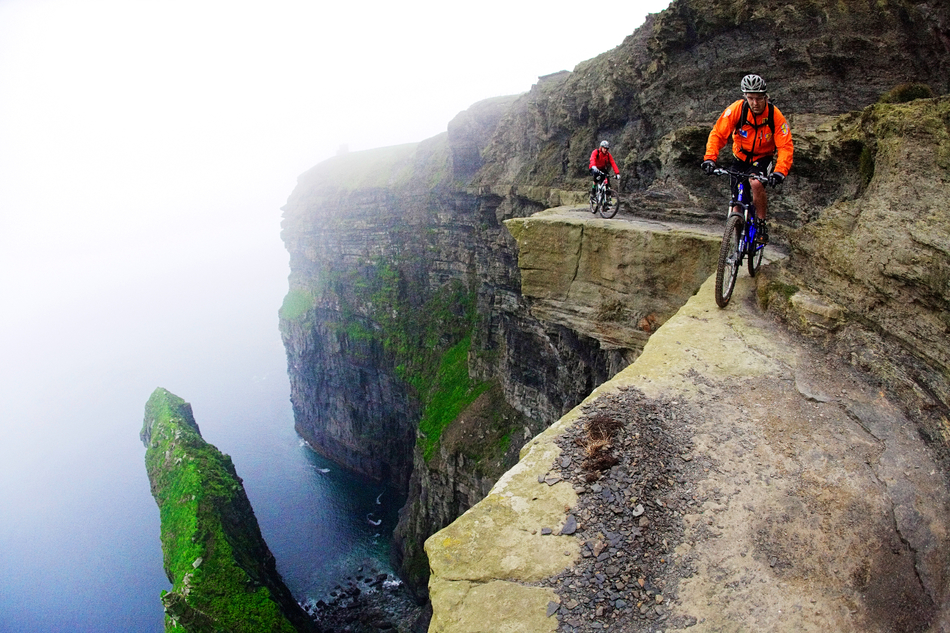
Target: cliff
x: 223, y: 575
x: 756, y: 484
x: 434, y: 323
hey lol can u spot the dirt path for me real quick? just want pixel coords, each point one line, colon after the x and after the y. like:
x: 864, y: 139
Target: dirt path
x: 824, y: 510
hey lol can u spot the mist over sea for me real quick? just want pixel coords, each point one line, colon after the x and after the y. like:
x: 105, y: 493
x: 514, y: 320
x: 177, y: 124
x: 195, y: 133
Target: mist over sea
x: 79, y: 530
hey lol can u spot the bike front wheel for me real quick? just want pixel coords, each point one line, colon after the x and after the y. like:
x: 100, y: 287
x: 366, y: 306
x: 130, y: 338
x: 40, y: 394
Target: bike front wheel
x: 609, y: 209
x: 597, y: 203
x: 755, y: 258
x: 730, y: 260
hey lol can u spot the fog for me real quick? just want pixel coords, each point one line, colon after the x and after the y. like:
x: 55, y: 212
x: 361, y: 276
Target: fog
x: 145, y: 151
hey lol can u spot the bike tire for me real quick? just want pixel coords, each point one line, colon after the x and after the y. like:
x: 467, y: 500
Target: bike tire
x: 593, y: 203
x: 608, y: 210
x: 730, y: 260
x: 598, y: 203
x: 755, y: 258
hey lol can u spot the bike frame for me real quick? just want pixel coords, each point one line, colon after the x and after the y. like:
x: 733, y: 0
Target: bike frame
x: 601, y: 196
x: 748, y: 215
x: 741, y: 226
x: 743, y: 200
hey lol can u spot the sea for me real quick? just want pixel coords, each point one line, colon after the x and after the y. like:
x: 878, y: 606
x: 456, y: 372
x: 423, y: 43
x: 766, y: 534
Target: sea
x: 79, y: 530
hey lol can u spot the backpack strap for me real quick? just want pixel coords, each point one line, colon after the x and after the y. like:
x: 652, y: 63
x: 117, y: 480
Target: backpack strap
x: 744, y: 120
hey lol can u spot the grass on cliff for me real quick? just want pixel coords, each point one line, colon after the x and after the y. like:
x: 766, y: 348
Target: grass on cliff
x: 380, y: 167
x: 451, y: 393
x: 296, y: 304
x: 192, y: 483
x: 425, y: 332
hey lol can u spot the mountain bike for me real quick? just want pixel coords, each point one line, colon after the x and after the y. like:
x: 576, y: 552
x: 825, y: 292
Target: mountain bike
x: 739, y: 240
x: 600, y: 198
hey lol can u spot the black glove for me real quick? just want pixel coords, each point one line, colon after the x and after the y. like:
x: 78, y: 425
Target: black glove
x: 776, y: 178
x: 708, y: 166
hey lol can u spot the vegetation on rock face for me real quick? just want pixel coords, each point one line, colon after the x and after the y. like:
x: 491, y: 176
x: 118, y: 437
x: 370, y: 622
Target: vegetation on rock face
x: 296, y: 304
x: 450, y: 393
x: 427, y: 333
x: 908, y: 92
x: 223, y: 576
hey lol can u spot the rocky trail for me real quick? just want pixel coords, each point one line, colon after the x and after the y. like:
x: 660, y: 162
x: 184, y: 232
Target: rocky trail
x: 733, y: 478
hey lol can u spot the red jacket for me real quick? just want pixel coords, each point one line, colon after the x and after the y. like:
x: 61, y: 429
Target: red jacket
x: 760, y: 142
x: 600, y: 160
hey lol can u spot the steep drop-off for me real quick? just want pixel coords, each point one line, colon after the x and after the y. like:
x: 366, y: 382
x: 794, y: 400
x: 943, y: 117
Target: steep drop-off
x: 224, y: 577
x: 414, y: 352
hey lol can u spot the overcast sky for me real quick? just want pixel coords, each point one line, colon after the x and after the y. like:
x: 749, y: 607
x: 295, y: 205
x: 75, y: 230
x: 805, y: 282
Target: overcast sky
x: 124, y: 123
x: 146, y: 148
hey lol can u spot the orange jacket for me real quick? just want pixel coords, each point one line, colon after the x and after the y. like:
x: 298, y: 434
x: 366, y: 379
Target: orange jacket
x: 749, y: 138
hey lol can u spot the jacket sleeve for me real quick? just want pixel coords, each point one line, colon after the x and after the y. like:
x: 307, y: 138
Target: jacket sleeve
x: 783, y: 143
x: 613, y: 164
x: 592, y: 156
x: 722, y: 131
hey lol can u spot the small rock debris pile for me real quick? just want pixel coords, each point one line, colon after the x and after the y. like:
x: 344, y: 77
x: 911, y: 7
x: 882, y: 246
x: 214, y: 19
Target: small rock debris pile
x: 370, y: 601
x: 630, y: 462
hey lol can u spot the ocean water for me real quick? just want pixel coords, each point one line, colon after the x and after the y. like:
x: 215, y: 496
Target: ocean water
x: 79, y: 530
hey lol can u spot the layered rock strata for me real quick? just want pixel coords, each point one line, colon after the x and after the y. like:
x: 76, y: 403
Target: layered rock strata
x: 400, y: 261
x: 223, y: 575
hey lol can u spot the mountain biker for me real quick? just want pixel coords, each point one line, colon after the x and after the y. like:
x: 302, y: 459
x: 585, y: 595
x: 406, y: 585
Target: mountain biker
x: 755, y: 141
x: 600, y: 160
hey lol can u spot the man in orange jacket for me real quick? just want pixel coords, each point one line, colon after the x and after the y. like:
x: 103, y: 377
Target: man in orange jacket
x: 759, y: 131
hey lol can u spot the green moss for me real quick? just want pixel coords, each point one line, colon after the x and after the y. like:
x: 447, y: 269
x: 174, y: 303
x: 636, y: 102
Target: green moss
x: 425, y: 333
x: 773, y: 290
x: 451, y: 392
x: 296, y: 304
x: 195, y: 486
x: 902, y: 93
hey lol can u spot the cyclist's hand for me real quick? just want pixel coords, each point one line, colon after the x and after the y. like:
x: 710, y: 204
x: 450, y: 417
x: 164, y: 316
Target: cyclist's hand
x: 595, y: 170
x: 776, y: 178
x: 708, y: 167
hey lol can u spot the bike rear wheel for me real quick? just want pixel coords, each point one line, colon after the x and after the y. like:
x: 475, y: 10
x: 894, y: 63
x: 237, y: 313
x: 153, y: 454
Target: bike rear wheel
x: 730, y: 260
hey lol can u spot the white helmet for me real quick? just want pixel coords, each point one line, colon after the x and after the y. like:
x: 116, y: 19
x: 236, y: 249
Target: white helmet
x: 605, y: 144
x: 753, y: 83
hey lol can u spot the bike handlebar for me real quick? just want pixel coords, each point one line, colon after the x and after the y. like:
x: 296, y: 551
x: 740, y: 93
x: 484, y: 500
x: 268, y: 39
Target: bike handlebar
x: 720, y: 171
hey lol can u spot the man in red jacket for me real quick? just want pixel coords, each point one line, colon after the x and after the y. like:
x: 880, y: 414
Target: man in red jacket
x: 600, y: 160
x: 759, y: 131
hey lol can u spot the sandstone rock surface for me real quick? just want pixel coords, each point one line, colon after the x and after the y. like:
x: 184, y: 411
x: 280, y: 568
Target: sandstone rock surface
x: 816, y: 506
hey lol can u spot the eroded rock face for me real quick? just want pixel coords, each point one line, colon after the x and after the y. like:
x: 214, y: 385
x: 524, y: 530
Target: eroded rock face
x: 880, y: 258
x: 683, y: 66
x: 399, y: 255
x: 385, y: 282
x: 614, y: 281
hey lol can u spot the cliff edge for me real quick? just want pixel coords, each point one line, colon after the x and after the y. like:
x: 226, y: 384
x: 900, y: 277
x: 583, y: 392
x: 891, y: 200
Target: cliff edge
x: 224, y: 577
x: 750, y: 483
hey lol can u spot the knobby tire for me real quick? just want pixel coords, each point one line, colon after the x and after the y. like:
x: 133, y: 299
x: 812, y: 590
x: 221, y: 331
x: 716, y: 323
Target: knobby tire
x: 755, y: 258
x: 608, y: 210
x: 729, y: 260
